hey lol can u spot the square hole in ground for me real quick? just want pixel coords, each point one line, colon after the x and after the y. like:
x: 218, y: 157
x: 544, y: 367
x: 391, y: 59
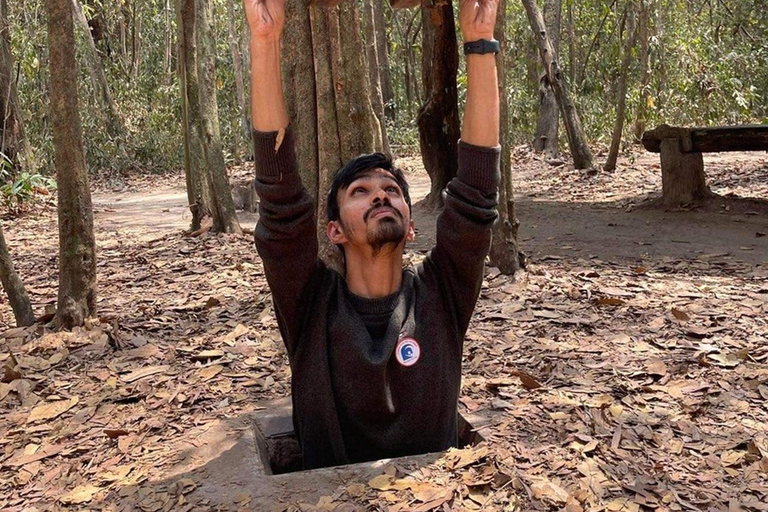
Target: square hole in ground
x: 279, y: 449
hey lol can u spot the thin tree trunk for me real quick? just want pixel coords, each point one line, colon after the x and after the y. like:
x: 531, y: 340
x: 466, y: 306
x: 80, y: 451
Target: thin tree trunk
x: 582, y: 157
x: 13, y: 141
x: 374, y: 79
x: 547, y: 127
x: 618, y: 127
x: 504, y: 254
x: 14, y: 287
x: 571, y: 44
x: 645, y: 71
x: 115, y: 124
x: 237, y: 65
x: 195, y: 170
x: 382, y: 53
x: 222, y: 205
x: 438, y: 118
x: 168, y: 55
x: 77, y: 254
x: 135, y: 40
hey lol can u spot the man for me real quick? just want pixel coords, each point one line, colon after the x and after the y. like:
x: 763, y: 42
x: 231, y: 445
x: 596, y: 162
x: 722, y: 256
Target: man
x: 376, y: 356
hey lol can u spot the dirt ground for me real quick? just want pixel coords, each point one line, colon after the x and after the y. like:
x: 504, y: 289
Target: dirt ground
x: 624, y: 370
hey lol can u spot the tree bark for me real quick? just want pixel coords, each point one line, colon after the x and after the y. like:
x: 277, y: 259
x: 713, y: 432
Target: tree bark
x: 14, y: 287
x: 618, y: 127
x: 504, y: 254
x: 582, y: 156
x: 77, y: 248
x: 237, y: 65
x: 198, y: 193
x: 115, y: 125
x: 208, y: 187
x: 382, y: 53
x: 328, y: 98
x: 298, y: 65
x: 438, y: 117
x: 645, y: 71
x: 222, y: 205
x: 547, y: 126
x: 374, y: 79
x: 135, y: 40
x: 13, y: 141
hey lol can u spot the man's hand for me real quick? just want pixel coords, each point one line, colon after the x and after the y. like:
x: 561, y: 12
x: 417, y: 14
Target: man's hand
x: 266, y: 18
x: 477, y: 19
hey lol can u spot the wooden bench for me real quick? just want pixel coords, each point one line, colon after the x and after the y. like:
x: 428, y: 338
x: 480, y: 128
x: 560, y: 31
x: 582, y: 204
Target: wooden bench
x: 682, y: 165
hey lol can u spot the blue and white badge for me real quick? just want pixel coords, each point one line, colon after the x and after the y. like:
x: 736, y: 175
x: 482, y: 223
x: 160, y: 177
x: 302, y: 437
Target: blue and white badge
x: 407, y: 351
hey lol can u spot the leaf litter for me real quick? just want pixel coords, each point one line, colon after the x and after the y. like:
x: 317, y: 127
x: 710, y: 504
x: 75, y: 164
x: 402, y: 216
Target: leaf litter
x: 607, y: 385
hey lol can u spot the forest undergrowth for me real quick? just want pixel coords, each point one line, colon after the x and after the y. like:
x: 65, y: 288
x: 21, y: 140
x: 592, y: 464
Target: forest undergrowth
x: 610, y: 384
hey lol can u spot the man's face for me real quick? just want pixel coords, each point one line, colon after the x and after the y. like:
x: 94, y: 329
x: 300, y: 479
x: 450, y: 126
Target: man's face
x: 372, y: 212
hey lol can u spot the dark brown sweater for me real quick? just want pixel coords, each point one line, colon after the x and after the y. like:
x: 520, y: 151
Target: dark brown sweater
x: 373, y: 378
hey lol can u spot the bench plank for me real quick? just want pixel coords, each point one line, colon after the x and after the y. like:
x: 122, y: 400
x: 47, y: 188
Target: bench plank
x: 710, y: 140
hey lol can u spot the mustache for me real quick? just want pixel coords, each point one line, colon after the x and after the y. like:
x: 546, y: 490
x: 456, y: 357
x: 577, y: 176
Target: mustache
x: 373, y: 209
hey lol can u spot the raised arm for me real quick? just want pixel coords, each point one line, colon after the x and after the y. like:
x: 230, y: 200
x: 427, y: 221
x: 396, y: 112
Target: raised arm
x: 464, y: 226
x: 285, y: 236
x: 266, y: 19
x: 481, y: 113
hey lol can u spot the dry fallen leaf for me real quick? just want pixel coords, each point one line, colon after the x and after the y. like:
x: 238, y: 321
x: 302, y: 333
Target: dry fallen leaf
x: 210, y: 372
x: 144, y: 372
x: 547, y: 489
x: 50, y: 410
x: 623, y: 505
x: 80, y: 494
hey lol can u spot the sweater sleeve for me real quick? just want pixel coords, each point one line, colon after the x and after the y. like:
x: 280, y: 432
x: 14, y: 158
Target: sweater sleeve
x: 285, y: 235
x: 464, y: 228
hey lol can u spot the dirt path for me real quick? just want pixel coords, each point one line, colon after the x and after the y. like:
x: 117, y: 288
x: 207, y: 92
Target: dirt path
x: 604, y: 221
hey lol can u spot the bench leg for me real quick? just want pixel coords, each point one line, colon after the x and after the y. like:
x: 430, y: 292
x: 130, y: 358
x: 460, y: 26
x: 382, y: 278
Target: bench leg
x: 682, y: 175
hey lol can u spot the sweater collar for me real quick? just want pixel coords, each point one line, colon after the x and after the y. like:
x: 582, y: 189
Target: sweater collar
x: 366, y: 306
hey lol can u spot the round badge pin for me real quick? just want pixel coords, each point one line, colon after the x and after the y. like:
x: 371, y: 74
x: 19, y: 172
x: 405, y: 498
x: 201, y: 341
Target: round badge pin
x: 407, y: 351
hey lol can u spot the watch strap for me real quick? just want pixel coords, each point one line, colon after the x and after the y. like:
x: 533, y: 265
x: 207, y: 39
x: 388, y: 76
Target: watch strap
x: 481, y: 46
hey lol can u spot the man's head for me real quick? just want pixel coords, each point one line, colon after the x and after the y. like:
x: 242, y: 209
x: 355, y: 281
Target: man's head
x: 369, y: 205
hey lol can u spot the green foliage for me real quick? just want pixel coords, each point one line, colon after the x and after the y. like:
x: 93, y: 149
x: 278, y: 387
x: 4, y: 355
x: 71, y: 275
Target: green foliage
x: 16, y: 191
x: 708, y: 64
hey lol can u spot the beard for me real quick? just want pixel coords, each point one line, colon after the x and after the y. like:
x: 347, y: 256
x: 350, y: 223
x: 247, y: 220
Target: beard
x: 387, y: 232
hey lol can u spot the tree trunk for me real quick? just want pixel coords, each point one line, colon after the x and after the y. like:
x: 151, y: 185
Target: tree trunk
x: 547, y: 126
x: 571, y: 45
x: 371, y: 37
x: 14, y: 288
x: 168, y: 55
x: 237, y: 65
x: 208, y: 188
x: 438, y: 118
x: 13, y: 142
x: 77, y: 255
x: 618, y: 127
x: 328, y: 99
x: 115, y: 125
x: 298, y: 66
x: 645, y: 71
x: 194, y: 157
x: 135, y: 40
x: 382, y: 53
x: 222, y: 205
x: 504, y: 254
x: 582, y: 157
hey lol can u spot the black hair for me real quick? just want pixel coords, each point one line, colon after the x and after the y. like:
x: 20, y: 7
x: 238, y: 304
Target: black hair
x: 357, y: 166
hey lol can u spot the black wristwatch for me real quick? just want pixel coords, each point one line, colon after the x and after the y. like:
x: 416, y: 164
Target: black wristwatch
x: 481, y: 46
